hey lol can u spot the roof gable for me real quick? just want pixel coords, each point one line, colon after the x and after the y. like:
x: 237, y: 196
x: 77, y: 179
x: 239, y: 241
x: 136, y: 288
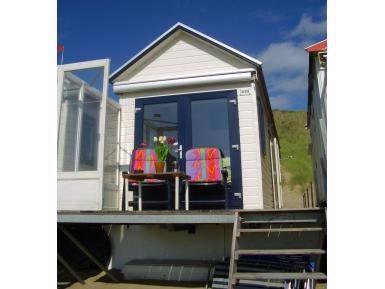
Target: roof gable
x: 319, y: 46
x: 184, y: 51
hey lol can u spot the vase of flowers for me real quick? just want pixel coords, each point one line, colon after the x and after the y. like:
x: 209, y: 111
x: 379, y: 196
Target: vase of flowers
x: 162, y: 146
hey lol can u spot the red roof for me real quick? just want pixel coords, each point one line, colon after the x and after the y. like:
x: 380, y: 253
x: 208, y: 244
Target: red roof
x: 319, y: 46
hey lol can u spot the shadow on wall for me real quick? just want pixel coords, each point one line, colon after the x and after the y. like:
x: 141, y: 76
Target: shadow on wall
x: 206, y: 242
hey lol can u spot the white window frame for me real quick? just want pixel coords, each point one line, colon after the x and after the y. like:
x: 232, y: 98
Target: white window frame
x: 97, y: 174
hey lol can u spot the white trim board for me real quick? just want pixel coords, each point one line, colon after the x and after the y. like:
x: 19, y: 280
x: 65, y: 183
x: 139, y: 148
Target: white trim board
x: 204, y: 80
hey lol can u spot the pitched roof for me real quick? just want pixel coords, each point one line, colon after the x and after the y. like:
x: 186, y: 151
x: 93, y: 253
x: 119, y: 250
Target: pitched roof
x: 173, y: 29
x: 319, y: 46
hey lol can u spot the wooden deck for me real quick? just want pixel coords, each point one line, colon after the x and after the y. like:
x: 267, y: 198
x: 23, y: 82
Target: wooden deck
x: 188, y: 217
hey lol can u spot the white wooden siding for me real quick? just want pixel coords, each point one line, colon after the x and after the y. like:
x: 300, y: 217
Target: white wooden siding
x: 80, y: 194
x: 127, y: 126
x: 250, y: 156
x: 265, y: 159
x: 267, y: 178
x: 110, y: 173
x: 182, y: 55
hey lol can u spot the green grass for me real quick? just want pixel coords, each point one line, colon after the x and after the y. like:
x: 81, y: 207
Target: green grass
x: 294, y: 141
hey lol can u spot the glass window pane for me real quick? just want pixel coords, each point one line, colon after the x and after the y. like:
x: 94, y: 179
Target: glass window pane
x: 160, y: 120
x: 78, y: 138
x: 92, y: 77
x: 90, y: 131
x: 210, y: 126
x: 68, y: 124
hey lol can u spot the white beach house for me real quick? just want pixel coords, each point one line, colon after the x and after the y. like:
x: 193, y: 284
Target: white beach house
x: 205, y: 94
x: 200, y: 91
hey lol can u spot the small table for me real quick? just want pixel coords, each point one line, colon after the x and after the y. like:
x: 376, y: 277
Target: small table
x: 167, y: 176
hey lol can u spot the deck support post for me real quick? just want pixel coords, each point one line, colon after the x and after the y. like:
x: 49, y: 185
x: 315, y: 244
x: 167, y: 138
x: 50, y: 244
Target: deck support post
x: 70, y: 269
x: 187, y: 197
x: 234, y: 248
x: 87, y: 253
x: 176, y: 192
x: 124, y: 195
x: 139, y: 196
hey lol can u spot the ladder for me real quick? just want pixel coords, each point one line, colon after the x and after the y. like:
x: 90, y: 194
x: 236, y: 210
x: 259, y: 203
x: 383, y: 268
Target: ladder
x: 300, y: 222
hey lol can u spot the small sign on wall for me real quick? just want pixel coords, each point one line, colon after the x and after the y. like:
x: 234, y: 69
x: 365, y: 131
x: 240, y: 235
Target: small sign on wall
x: 244, y: 91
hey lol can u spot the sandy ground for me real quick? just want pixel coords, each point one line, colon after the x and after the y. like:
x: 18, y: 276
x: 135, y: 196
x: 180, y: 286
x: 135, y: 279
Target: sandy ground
x: 101, y: 281
x: 292, y: 197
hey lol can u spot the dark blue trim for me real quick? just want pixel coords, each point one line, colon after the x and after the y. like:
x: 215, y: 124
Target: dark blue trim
x: 138, y: 129
x: 185, y: 131
x: 235, y: 155
x: 141, y: 102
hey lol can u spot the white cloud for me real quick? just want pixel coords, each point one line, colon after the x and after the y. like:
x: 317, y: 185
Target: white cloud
x: 307, y: 28
x: 296, y: 83
x: 286, y: 64
x: 284, y: 57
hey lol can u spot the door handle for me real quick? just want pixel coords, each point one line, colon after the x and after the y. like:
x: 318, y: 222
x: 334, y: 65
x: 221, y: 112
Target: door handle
x: 235, y: 146
x: 239, y: 195
x: 180, y: 149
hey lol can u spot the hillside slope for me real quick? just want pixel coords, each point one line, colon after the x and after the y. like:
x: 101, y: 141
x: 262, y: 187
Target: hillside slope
x: 296, y: 166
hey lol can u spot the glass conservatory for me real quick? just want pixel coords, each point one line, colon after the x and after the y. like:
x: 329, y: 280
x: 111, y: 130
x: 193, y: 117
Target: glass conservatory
x: 88, y: 137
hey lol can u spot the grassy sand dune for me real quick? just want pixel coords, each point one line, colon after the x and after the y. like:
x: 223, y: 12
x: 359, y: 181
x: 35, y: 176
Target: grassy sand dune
x: 296, y: 163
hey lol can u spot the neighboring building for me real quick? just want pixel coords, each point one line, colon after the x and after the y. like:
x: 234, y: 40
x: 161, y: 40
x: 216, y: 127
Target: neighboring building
x: 317, y: 116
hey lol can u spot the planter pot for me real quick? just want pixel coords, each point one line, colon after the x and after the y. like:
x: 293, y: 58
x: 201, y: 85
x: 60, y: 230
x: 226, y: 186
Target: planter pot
x: 159, y: 166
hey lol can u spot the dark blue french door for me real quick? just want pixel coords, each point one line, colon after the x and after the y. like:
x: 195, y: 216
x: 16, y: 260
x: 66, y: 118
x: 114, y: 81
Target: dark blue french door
x: 195, y: 120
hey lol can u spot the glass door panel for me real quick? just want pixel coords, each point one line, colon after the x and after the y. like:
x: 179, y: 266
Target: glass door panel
x: 210, y: 127
x: 90, y: 126
x: 68, y: 124
x: 78, y: 136
x: 211, y: 119
x: 160, y: 119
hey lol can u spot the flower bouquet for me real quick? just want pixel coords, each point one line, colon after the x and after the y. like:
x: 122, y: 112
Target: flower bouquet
x: 162, y: 145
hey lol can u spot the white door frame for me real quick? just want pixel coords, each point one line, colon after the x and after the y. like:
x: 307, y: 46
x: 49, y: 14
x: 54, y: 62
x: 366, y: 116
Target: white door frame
x: 98, y: 174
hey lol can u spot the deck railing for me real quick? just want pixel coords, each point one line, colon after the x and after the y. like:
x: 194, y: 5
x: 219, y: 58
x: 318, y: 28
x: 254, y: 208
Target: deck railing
x: 309, y: 197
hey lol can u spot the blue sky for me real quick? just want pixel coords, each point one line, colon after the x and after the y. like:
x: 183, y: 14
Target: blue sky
x: 275, y: 32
